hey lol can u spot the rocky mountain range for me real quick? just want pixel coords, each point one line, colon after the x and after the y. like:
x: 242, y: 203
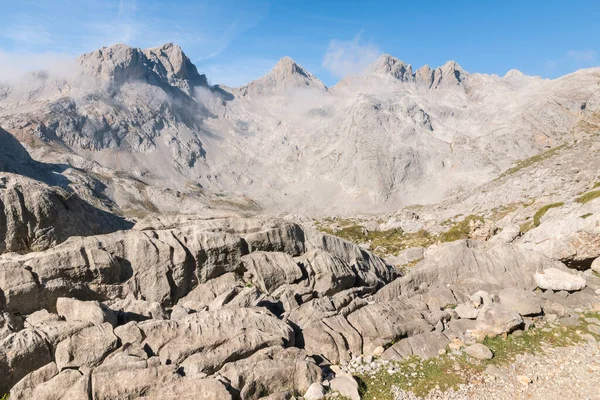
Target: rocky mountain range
x: 377, y: 141
x: 165, y: 238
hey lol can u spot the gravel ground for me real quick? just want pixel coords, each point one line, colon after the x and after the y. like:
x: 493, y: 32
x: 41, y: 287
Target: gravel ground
x: 563, y: 373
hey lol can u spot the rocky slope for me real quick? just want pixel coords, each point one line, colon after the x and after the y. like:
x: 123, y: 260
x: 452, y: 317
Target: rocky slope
x: 207, y: 298
x: 212, y: 306
x: 376, y: 141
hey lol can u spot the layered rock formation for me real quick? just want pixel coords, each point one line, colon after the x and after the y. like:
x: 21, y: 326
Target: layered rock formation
x: 233, y: 307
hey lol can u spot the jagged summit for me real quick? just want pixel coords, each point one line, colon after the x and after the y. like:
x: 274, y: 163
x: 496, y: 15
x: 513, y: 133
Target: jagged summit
x: 451, y: 73
x: 286, y: 74
x: 387, y: 64
x: 121, y: 63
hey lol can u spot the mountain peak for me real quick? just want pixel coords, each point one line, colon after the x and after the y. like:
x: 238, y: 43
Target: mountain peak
x: 286, y: 74
x: 287, y: 67
x: 449, y: 74
x: 387, y: 64
x: 175, y: 63
x: 451, y: 66
x: 121, y: 63
x: 514, y: 74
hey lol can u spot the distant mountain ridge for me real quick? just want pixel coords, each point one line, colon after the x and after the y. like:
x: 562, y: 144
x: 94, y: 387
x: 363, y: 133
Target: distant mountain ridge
x: 375, y: 141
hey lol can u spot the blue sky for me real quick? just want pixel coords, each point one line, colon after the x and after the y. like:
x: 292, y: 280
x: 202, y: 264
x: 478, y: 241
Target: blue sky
x: 236, y: 41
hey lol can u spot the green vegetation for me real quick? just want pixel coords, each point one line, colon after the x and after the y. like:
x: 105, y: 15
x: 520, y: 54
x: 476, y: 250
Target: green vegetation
x: 542, y: 211
x: 5, y: 397
x: 450, y: 371
x: 584, y: 216
x: 393, y: 241
x: 589, y: 196
x: 460, y: 230
x: 519, y: 165
x: 502, y: 211
x: 526, y: 227
x: 418, y: 376
x: 382, y: 242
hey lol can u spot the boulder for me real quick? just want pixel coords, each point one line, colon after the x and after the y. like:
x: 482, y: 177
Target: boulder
x: 69, y: 384
x: 370, y: 270
x: 567, y: 237
x: 269, y: 271
x: 25, y: 389
x: 521, y: 301
x: 316, y: 391
x: 382, y: 322
x: 496, y: 320
x: 466, y: 311
x: 21, y: 353
x: 20, y: 291
x: 272, y: 370
x: 327, y: 274
x: 556, y: 279
x: 203, y: 294
x: 596, y: 265
x: 276, y: 236
x: 424, y: 345
x: 87, y: 311
x: 479, y: 351
x: 345, y: 385
x: 86, y: 348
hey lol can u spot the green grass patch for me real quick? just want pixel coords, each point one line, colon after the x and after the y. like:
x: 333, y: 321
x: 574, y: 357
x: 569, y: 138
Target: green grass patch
x: 584, y: 216
x: 413, y: 374
x: 449, y: 371
x: 526, y: 226
x: 382, y: 243
x: 460, y: 230
x: 519, y: 165
x: 589, y: 196
x: 5, y: 397
x: 393, y: 241
x: 542, y: 211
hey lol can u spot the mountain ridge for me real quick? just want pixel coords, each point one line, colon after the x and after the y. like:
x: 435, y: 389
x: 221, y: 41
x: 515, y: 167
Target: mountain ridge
x: 375, y: 141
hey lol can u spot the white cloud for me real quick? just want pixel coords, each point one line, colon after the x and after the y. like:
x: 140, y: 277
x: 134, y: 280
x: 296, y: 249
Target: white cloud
x: 15, y: 65
x: 584, y: 56
x: 349, y: 57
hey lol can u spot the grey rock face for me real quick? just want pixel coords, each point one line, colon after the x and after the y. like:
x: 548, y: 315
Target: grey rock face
x: 272, y: 371
x: 425, y: 345
x: 35, y: 216
x: 471, y: 266
x: 22, y: 352
x: 449, y: 129
x: 86, y: 348
x: 466, y: 311
x: 556, y: 279
x: 88, y: 311
x: 521, y: 301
